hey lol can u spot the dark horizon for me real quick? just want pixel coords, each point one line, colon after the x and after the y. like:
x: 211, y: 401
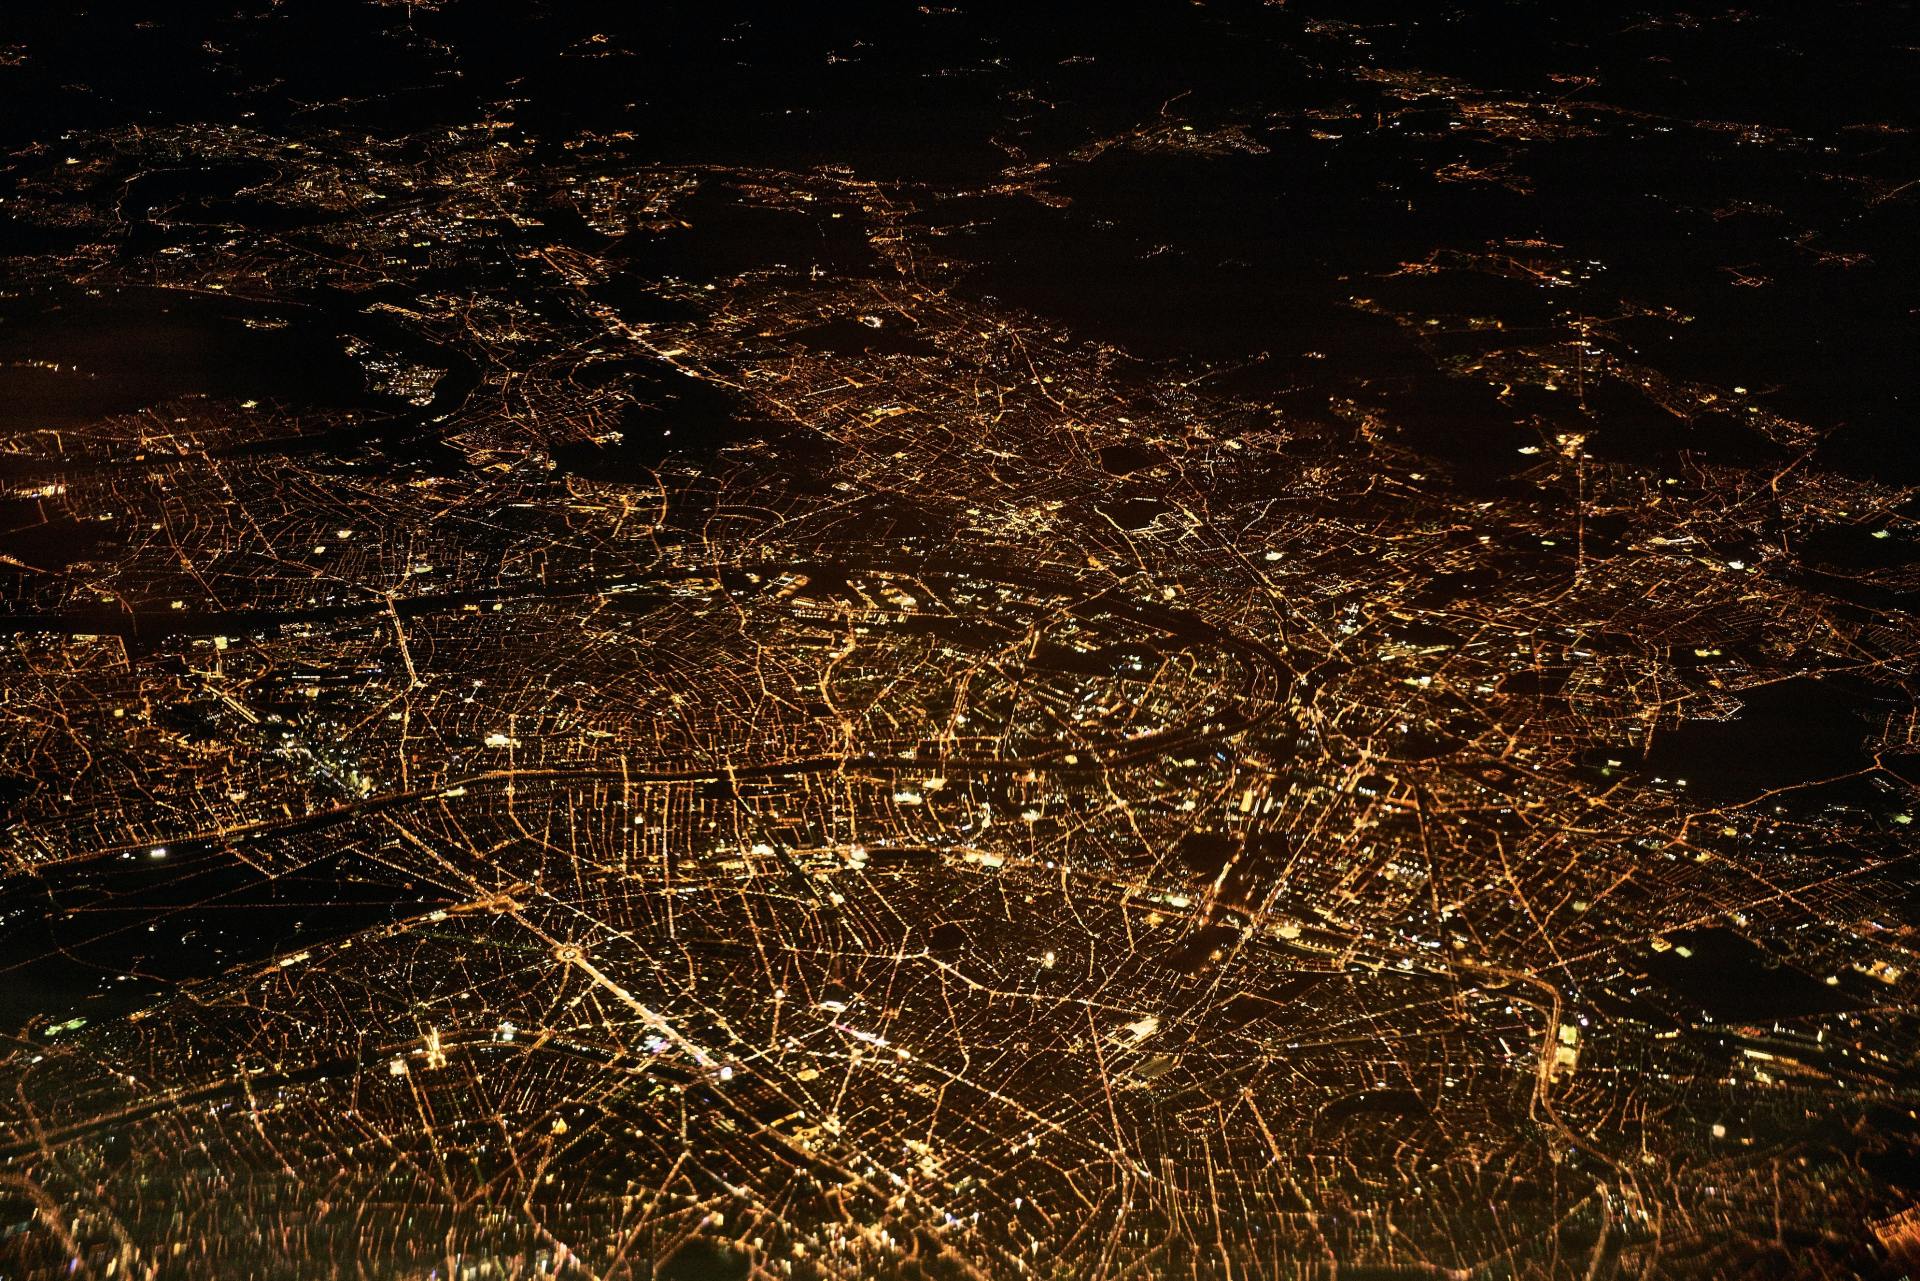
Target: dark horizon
x: 1195, y: 640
